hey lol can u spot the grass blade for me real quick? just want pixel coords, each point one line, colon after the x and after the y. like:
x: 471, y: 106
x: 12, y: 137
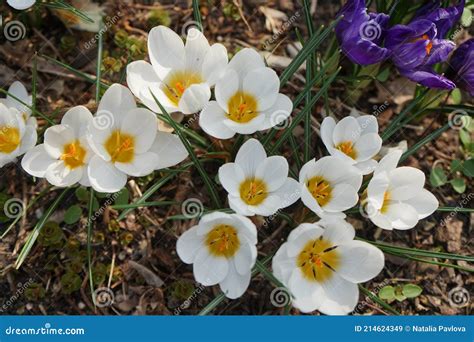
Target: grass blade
x: 424, y: 141
x: 197, y: 13
x: 89, y: 243
x: 379, y: 301
x: 30, y: 241
x: 194, y: 158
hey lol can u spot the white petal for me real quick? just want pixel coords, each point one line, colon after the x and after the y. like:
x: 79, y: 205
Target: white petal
x: 59, y: 175
x: 327, y: 129
x: 234, y: 284
x: 263, y: 84
x: 367, y: 146
x: 194, y: 98
x: 142, y: 78
x: 245, y: 61
x: 337, y: 231
x: 278, y: 112
x: 189, y: 244
x: 231, y: 176
x: 273, y: 171
x: 368, y: 124
x: 389, y: 162
x: 246, y: 230
x: 166, y: 51
x: 346, y: 130
x: 343, y: 196
x: 195, y: 49
x: 256, y: 124
x: 381, y: 220
x: 21, y: 4
x: 36, y: 161
x: 226, y: 87
x: 360, y: 261
x: 288, y: 193
x: 208, y: 269
x: 425, y: 203
x: 18, y: 90
x: 243, y: 259
x: 402, y: 215
x: 282, y: 264
x: 299, y: 286
x: 376, y: 189
x: 405, y: 182
x: 116, y: 102
x: 104, y: 176
x: 215, y: 63
x: 78, y: 118
x: 142, y: 125
x: 269, y: 206
x: 56, y: 137
x: 312, y: 303
x: 237, y: 205
x: 366, y: 167
x: 212, y: 119
x: 142, y: 165
x: 249, y: 157
x: 309, y: 201
x: 28, y: 140
x: 342, y: 296
x: 169, y: 149
x: 309, y: 233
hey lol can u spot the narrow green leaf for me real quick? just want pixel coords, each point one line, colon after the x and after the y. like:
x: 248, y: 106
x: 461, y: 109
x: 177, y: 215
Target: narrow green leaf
x: 33, y: 236
x: 424, y: 141
x: 197, y: 13
x: 89, y: 244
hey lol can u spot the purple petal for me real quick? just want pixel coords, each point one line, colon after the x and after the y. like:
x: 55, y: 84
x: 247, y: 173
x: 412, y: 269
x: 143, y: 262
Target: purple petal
x: 440, y: 51
x: 400, y: 34
x: 364, y: 52
x: 444, y: 18
x: 428, y: 78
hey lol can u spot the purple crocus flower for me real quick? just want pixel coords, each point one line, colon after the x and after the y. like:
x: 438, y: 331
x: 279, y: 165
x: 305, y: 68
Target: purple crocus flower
x: 416, y: 47
x: 462, y: 66
x: 360, y: 34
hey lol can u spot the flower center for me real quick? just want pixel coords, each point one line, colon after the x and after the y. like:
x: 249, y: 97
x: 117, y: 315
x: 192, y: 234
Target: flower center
x: 318, y: 259
x: 9, y: 139
x: 223, y: 241
x: 253, y: 191
x: 73, y: 155
x: 177, y: 83
x: 320, y: 189
x: 347, y: 147
x: 386, y: 202
x: 427, y: 47
x: 121, y: 147
x: 242, y: 107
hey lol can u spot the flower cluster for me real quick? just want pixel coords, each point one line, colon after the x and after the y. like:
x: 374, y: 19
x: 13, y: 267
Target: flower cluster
x: 321, y: 263
x: 414, y: 48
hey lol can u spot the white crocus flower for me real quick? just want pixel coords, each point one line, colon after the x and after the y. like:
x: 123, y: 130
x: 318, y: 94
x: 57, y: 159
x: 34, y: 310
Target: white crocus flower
x: 180, y: 76
x: 21, y: 4
x: 258, y: 184
x: 321, y: 265
x: 329, y: 186
x: 247, y: 99
x: 16, y: 137
x: 18, y: 90
x: 396, y: 198
x: 355, y: 140
x: 222, y: 249
x: 65, y: 154
x: 126, y: 141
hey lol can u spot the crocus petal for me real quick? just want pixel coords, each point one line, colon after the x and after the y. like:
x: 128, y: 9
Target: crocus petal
x: 188, y: 245
x: 166, y: 51
x: 208, y: 269
x: 278, y: 112
x: 367, y: 146
x: 346, y: 130
x: 212, y: 119
x: 169, y: 149
x: 405, y: 182
x: 274, y: 171
x: 142, y: 125
x: 428, y: 78
x: 263, y: 83
x: 56, y: 137
x: 104, y: 176
x: 245, y: 61
x: 195, y: 49
x: 59, y: 175
x: 327, y: 129
x: 214, y: 63
x: 249, y: 157
x: 194, y: 98
x: 77, y: 118
x: 141, y: 165
x: 360, y: 261
x: 116, y: 102
x: 36, y: 161
x: 235, y: 284
x: 342, y: 296
x: 226, y: 87
x: 21, y: 4
x: 231, y: 176
x: 425, y: 203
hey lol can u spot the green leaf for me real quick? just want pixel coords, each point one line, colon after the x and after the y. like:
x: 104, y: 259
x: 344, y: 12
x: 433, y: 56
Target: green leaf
x: 123, y: 197
x: 383, y: 75
x: 411, y: 290
x: 73, y: 214
x: 466, y: 18
x: 387, y: 293
x: 459, y: 185
x: 468, y: 168
x: 456, y: 165
x: 438, y: 177
x: 456, y: 96
x: 82, y: 194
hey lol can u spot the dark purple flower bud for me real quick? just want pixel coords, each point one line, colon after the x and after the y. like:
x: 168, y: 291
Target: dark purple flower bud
x: 444, y: 18
x: 360, y: 34
x: 462, y: 66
